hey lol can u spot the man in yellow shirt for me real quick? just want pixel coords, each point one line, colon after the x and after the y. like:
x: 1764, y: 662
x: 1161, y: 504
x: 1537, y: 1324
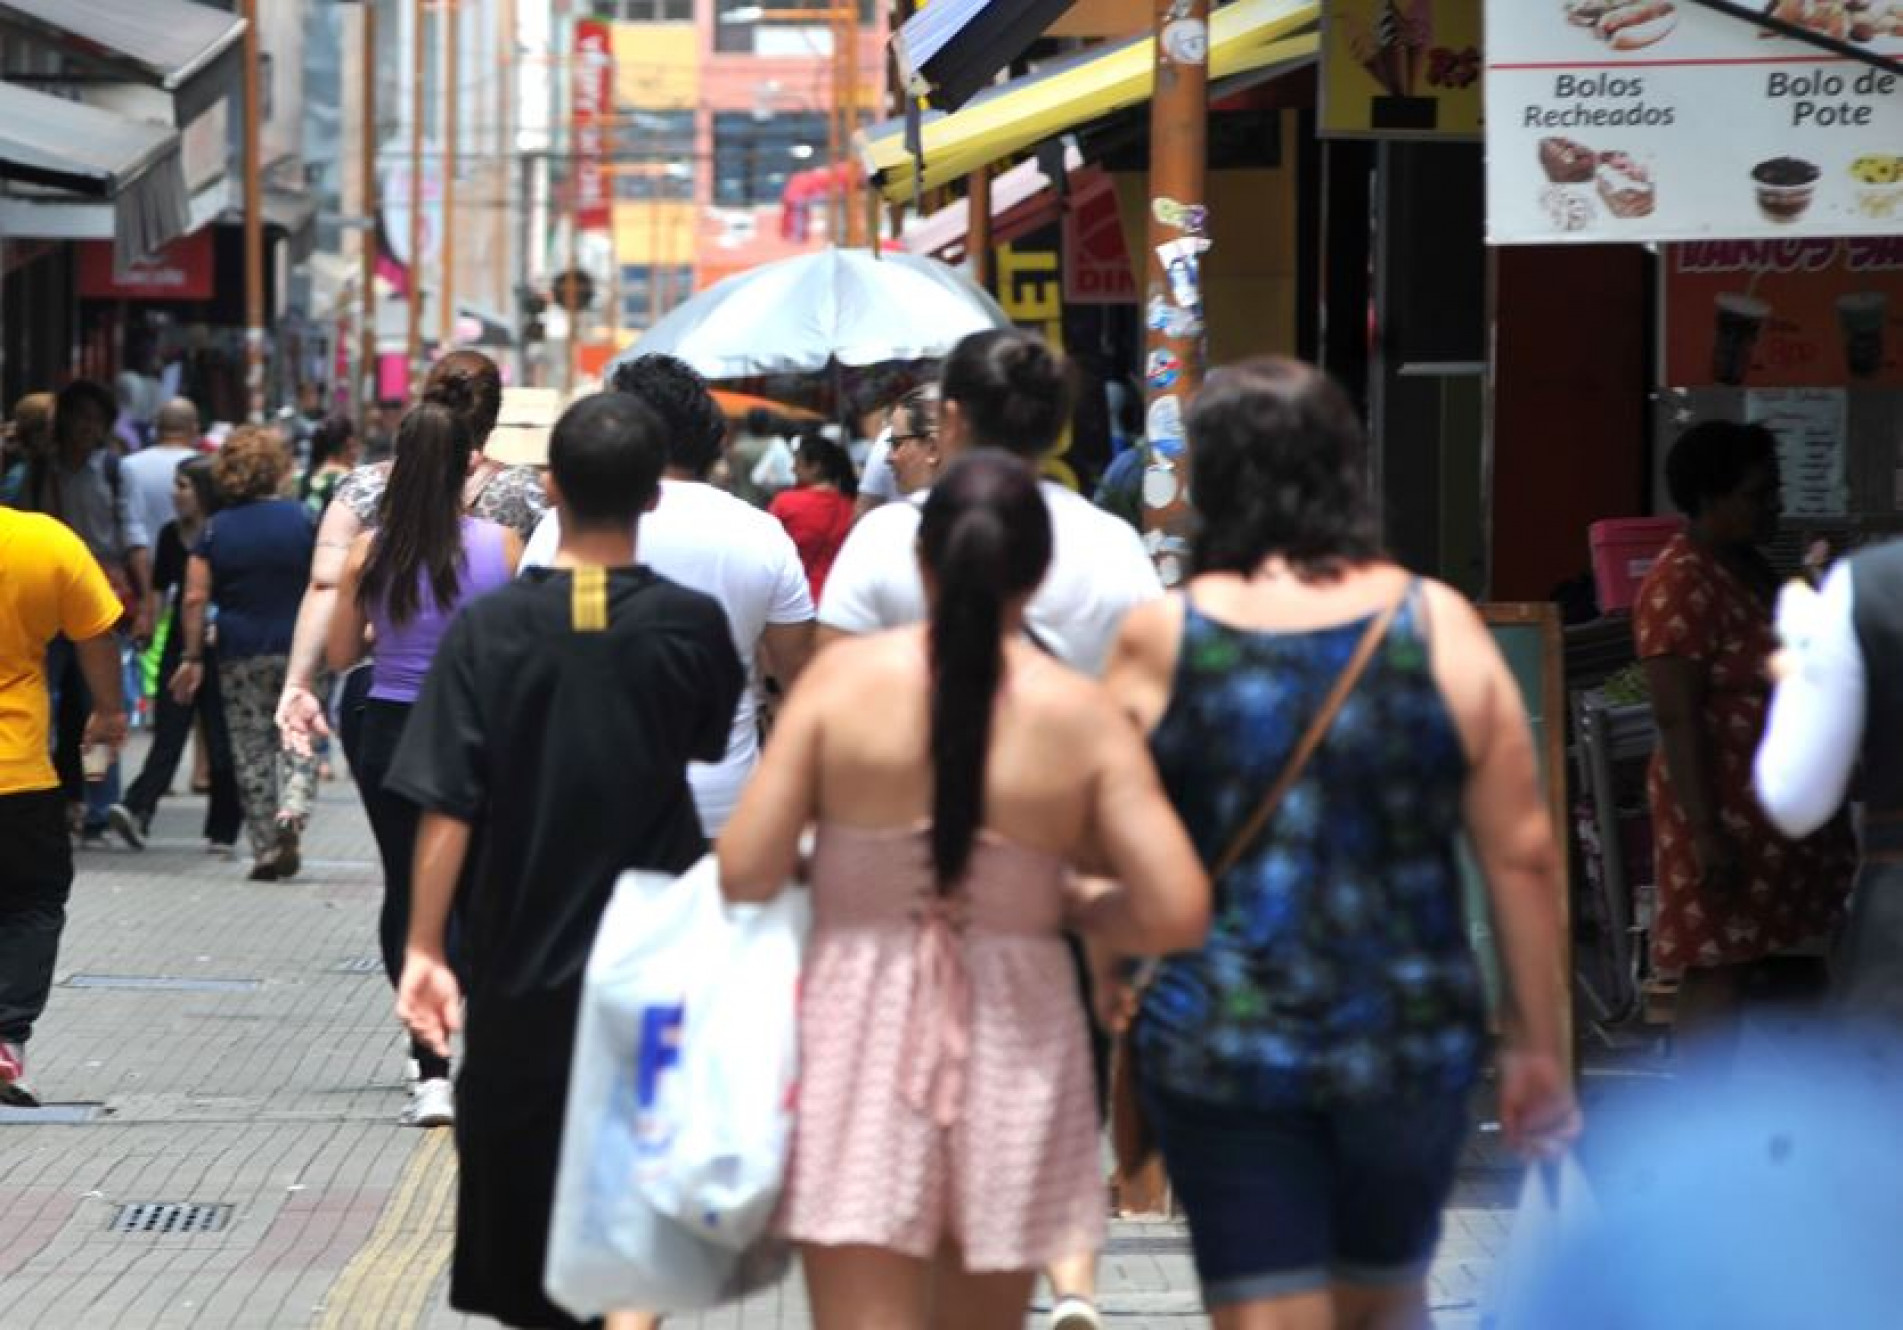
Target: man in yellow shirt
x: 50, y: 585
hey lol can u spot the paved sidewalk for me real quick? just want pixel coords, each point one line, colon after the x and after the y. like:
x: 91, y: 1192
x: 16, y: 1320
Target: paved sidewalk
x: 231, y: 1044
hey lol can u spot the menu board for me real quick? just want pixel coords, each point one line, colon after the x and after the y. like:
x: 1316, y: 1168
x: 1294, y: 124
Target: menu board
x: 1785, y: 314
x: 1644, y: 120
x: 1810, y: 424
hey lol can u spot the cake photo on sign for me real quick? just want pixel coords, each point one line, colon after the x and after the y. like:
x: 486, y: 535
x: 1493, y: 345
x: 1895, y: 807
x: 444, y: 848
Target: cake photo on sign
x: 1625, y: 185
x: 1566, y: 162
x: 1393, y: 49
x: 1846, y: 20
x: 1625, y: 25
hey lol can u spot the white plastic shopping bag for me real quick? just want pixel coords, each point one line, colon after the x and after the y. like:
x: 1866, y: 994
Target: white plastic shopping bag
x: 1556, y: 1208
x: 680, y: 1100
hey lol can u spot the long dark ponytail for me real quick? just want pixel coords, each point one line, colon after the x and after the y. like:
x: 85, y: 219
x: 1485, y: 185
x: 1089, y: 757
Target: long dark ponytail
x: 986, y: 539
x: 419, y: 524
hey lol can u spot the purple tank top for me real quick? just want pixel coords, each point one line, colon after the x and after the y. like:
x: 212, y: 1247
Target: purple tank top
x: 403, y: 654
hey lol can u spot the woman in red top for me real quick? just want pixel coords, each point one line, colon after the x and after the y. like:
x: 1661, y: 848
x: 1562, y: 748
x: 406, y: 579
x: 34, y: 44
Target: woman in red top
x: 817, y: 511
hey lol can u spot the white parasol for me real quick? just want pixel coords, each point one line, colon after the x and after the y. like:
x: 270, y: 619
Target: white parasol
x: 844, y: 306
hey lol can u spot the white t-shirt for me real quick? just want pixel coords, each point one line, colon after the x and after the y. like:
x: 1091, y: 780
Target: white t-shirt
x: 1099, y: 572
x: 877, y: 480
x: 724, y: 547
x: 147, y: 476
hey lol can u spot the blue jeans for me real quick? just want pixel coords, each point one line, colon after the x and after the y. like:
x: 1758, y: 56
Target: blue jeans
x: 72, y: 703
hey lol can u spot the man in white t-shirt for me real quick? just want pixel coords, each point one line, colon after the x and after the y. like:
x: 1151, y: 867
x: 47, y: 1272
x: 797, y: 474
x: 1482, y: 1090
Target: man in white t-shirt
x: 709, y: 541
x: 1099, y: 568
x: 148, y: 473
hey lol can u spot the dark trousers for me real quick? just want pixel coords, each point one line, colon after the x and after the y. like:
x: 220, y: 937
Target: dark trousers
x: 393, y: 820
x: 171, y: 727
x: 36, y: 876
x: 72, y: 704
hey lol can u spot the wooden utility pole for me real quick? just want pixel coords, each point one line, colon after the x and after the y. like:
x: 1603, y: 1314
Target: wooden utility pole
x: 1177, y: 342
x: 419, y: 76
x: 367, y: 237
x: 845, y: 109
x: 253, y: 219
x: 452, y: 98
x: 978, y: 226
x: 504, y: 168
x: 572, y: 295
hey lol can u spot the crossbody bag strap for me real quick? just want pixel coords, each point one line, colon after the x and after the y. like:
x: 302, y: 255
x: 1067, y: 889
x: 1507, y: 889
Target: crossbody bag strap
x: 1312, y: 737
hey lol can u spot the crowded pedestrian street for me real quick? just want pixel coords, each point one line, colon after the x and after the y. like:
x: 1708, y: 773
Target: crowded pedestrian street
x: 226, y: 1051
x: 951, y: 664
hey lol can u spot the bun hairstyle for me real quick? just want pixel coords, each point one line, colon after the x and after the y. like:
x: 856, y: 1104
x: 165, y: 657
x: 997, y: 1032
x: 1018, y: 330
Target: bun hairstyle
x: 986, y: 539
x: 468, y: 383
x: 1012, y: 388
x: 419, y: 524
x: 1277, y: 468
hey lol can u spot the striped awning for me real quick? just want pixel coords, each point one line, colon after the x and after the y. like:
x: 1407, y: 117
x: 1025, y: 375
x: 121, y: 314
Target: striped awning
x: 950, y: 49
x: 1247, y: 36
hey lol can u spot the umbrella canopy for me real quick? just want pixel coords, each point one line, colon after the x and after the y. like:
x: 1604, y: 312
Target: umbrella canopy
x: 804, y: 313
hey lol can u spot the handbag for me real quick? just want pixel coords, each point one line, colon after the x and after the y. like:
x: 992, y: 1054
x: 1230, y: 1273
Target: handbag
x: 1130, y: 1134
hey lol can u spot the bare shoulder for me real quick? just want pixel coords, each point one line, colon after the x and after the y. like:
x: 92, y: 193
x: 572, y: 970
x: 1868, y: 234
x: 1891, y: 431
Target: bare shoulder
x: 858, y: 662
x: 1150, y: 632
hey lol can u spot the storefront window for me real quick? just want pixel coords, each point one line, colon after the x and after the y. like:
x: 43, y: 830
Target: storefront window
x: 654, y: 155
x: 737, y: 27
x: 645, y: 11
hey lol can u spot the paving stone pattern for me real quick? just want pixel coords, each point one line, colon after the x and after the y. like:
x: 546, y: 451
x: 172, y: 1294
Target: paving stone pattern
x: 281, y: 1101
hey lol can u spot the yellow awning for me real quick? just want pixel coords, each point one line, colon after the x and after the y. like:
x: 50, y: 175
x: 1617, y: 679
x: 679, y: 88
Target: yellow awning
x: 1244, y: 37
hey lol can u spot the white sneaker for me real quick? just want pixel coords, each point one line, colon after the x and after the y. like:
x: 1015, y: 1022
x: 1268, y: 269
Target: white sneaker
x: 432, y: 1104
x: 1075, y: 1313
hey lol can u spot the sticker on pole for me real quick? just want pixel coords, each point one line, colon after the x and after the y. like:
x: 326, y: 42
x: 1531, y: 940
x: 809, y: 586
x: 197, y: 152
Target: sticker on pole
x: 1159, y: 486
x: 1190, y: 217
x: 1164, y: 369
x: 1186, y: 41
x: 1181, y: 324
x: 1163, y: 422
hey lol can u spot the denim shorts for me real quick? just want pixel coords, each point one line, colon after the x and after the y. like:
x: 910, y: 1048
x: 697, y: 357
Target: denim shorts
x: 1287, y: 1201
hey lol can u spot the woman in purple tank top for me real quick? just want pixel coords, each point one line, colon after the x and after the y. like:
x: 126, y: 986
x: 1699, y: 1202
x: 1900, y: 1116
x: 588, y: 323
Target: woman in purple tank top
x: 404, y: 581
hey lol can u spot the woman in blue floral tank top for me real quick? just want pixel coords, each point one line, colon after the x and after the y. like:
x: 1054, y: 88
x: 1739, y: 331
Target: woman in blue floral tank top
x: 1307, y: 1071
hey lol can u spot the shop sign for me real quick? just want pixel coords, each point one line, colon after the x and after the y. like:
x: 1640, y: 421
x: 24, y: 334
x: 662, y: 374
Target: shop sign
x: 183, y: 270
x: 1645, y: 120
x: 594, y: 91
x: 1785, y: 314
x: 1401, y: 69
x: 1097, y: 268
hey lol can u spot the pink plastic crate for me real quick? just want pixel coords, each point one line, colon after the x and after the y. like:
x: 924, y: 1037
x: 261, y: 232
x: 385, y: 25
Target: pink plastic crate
x: 1623, y: 552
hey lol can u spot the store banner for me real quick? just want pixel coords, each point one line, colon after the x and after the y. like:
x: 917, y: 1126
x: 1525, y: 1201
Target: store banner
x: 593, y: 88
x: 182, y: 270
x: 1401, y: 69
x: 1646, y: 120
x: 1785, y: 314
x: 1097, y: 266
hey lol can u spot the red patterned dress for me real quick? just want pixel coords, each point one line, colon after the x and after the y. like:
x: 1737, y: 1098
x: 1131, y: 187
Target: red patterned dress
x: 1693, y: 607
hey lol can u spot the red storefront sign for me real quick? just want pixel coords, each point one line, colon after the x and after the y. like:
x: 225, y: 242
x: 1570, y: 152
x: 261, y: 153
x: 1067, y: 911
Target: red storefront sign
x: 1799, y: 313
x: 1097, y: 269
x: 180, y: 271
x: 593, y: 91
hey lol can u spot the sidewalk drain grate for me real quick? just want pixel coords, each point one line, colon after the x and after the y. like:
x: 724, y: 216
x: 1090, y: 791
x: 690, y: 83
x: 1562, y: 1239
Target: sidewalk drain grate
x: 359, y: 965
x: 162, y: 983
x: 170, y: 1217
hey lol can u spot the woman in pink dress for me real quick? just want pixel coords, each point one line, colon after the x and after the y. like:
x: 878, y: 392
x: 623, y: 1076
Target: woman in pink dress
x: 947, y: 1142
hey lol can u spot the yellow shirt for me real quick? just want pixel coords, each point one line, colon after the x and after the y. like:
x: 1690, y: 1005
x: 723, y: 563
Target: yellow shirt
x: 50, y: 584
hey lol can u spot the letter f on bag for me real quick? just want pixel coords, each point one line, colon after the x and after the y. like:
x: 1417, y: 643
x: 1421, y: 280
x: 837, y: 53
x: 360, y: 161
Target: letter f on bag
x: 660, y: 1049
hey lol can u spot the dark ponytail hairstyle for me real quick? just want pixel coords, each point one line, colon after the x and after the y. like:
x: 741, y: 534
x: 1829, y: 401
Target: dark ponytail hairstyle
x: 419, y: 523
x: 986, y: 539
x: 468, y: 383
x: 329, y: 439
x: 830, y: 458
x: 1013, y: 389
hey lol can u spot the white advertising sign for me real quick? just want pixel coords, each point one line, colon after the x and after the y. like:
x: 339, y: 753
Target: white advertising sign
x: 1640, y: 120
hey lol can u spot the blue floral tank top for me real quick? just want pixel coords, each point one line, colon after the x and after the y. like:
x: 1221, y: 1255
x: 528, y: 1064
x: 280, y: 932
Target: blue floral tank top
x: 1338, y: 968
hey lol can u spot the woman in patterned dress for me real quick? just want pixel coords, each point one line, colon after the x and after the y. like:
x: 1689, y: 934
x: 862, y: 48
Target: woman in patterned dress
x: 1731, y: 889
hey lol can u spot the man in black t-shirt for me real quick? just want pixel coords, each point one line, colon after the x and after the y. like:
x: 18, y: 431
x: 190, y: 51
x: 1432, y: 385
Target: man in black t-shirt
x: 548, y: 752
